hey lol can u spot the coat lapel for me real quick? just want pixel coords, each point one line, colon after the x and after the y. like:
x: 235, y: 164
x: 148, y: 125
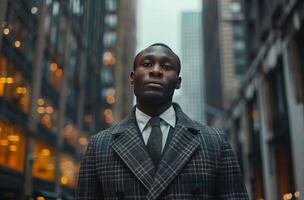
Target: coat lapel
x: 130, y: 148
x: 184, y: 143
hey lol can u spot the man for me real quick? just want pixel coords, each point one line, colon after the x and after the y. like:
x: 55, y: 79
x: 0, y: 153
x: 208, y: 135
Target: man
x: 158, y: 152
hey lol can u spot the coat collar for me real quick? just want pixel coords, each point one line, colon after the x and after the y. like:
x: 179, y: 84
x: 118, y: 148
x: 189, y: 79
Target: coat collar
x: 182, y: 146
x: 130, y: 121
x: 129, y: 146
x: 131, y: 149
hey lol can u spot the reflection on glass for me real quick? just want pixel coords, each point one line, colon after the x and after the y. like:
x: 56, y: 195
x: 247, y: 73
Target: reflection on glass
x: 53, y: 73
x: 12, y: 144
x: 71, y: 134
x: 47, y: 113
x: 19, y: 34
x: 13, y: 85
x: 68, y: 169
x: 44, y: 162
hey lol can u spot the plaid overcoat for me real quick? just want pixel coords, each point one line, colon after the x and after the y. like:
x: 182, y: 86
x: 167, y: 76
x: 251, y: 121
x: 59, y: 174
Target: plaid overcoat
x: 198, y: 164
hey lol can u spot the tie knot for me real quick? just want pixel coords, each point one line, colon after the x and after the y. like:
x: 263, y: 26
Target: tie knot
x: 155, y: 121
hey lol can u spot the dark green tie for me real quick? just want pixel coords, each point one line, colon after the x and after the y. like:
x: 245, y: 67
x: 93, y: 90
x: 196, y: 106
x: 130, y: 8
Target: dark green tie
x: 154, y: 144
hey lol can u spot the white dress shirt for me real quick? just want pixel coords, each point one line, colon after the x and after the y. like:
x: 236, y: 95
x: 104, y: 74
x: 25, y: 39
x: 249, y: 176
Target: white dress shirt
x: 168, y: 119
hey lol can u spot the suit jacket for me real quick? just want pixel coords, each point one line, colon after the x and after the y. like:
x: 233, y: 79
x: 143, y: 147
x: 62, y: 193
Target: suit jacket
x: 198, y: 164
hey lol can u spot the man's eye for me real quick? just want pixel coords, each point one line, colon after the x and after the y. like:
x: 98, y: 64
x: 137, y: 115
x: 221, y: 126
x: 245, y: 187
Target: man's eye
x: 166, y: 66
x: 147, y: 64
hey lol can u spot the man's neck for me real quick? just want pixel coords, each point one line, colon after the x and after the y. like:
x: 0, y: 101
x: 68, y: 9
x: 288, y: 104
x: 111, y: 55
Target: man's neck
x: 153, y: 110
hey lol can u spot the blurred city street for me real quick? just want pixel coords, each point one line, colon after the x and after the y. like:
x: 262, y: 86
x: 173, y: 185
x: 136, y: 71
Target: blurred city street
x: 64, y: 76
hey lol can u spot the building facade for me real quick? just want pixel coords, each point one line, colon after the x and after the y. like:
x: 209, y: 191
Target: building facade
x: 265, y: 120
x: 125, y: 50
x: 212, y: 60
x: 232, y: 48
x: 57, y: 88
x: 192, y: 90
x: 224, y: 55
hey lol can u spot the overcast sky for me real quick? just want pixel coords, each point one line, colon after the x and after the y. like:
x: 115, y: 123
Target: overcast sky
x: 160, y: 21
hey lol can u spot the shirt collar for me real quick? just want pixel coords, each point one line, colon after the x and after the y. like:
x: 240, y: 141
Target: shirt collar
x: 168, y: 116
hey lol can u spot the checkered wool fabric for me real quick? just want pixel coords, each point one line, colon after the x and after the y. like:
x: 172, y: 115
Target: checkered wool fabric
x: 198, y: 164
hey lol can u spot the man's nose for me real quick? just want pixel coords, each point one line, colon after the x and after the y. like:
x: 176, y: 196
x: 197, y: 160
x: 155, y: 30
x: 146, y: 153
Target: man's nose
x: 156, y: 70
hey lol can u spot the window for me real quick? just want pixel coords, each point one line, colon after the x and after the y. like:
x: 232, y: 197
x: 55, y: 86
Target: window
x: 238, y: 31
x: 279, y: 126
x: 106, y: 76
x: 262, y: 8
x: 239, y: 45
x: 12, y: 146
x: 235, y: 8
x: 71, y: 134
x: 53, y: 73
x: 69, y: 169
x: 23, y: 40
x: 47, y: 113
x: 109, y: 39
x: 61, y: 39
x: 44, y: 162
x: 13, y: 85
x: 111, y: 5
x: 71, y: 104
x: 255, y: 157
x: 19, y: 36
x: 76, y: 6
x: 3, y: 73
x: 239, y: 50
x: 111, y: 20
x: 277, y: 101
x: 296, y: 59
x: 284, y: 169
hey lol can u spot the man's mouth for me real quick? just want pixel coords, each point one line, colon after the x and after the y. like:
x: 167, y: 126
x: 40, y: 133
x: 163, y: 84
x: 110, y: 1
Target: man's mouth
x: 154, y: 84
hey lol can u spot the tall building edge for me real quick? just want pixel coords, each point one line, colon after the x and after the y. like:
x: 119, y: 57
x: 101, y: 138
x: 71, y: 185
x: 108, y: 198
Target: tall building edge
x: 58, y: 64
x: 265, y: 120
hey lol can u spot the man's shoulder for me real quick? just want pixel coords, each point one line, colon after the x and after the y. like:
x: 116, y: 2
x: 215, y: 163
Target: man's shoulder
x: 105, y: 133
x: 189, y: 122
x: 208, y: 131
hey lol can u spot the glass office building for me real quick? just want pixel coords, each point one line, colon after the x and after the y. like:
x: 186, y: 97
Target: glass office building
x: 56, y: 89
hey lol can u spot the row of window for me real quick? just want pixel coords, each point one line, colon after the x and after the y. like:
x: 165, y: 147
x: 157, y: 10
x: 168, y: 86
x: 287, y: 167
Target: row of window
x: 279, y: 145
x: 13, y: 86
x: 278, y: 131
x: 12, y: 155
x: 16, y: 32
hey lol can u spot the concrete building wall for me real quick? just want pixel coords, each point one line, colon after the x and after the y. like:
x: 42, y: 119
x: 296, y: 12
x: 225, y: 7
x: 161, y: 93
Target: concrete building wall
x: 125, y: 50
x: 274, y: 81
x: 229, y: 81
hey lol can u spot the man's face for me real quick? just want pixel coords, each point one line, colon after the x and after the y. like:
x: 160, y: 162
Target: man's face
x: 155, y: 75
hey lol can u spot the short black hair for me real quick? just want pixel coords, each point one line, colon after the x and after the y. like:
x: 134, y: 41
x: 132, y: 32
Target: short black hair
x: 163, y: 45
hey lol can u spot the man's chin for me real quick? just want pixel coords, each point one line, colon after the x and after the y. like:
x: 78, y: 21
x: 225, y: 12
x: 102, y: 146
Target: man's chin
x: 154, y: 98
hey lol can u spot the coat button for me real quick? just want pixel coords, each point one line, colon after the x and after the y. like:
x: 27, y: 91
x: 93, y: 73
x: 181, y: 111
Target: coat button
x: 120, y: 194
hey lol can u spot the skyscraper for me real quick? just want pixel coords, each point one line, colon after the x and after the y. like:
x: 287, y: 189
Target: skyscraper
x: 266, y: 117
x: 232, y: 48
x: 192, y: 90
x: 57, y: 61
x: 212, y: 57
x: 224, y: 54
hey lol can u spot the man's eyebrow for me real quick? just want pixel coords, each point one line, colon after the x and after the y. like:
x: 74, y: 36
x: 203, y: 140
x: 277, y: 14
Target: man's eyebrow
x: 151, y: 56
x: 145, y: 57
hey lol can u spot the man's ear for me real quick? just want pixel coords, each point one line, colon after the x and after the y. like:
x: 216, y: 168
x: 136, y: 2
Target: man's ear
x: 132, y: 78
x: 178, y: 83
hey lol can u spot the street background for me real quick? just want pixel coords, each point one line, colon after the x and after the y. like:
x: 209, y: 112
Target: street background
x: 64, y: 76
